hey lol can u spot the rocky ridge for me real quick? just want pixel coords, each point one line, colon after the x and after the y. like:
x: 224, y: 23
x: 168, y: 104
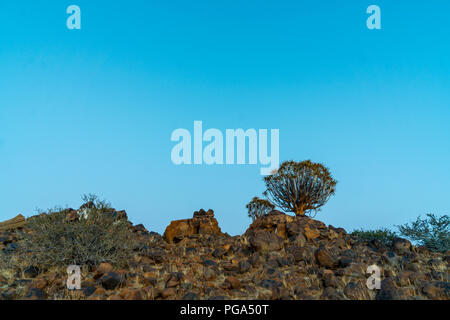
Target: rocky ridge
x: 278, y: 257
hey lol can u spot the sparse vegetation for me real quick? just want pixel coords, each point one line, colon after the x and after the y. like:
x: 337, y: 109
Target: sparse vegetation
x: 259, y: 207
x: 300, y: 187
x: 57, y: 239
x: 383, y: 235
x: 432, y: 232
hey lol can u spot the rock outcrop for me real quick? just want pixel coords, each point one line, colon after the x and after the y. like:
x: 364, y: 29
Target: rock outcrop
x: 278, y: 257
x: 15, y: 223
x: 203, y: 222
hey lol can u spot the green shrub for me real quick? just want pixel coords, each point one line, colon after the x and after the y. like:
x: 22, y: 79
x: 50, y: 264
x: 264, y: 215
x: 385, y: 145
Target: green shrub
x: 383, y: 235
x: 259, y: 207
x: 432, y: 232
x: 54, y: 240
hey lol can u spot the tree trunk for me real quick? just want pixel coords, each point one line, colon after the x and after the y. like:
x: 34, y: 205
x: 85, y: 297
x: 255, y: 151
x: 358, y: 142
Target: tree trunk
x: 300, y: 211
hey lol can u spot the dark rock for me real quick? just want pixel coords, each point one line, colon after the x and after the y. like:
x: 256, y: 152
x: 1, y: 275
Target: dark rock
x: 265, y: 241
x: 344, y: 262
x: 5, y: 238
x: 11, y: 247
x: 87, y: 291
x: 388, y: 290
x: 256, y: 260
x: 191, y: 250
x: 209, y: 263
x: 218, y: 298
x: 219, y: 252
x: 111, y: 280
x: 156, y: 254
x: 190, y: 296
x: 390, y: 258
x: 35, y: 294
x: 174, y: 279
x: 140, y: 229
x: 269, y: 284
x: 9, y: 294
x: 301, y: 254
x: 401, y: 246
x: 31, y: 272
x: 356, y: 291
x: 244, y: 266
x: 210, y: 274
x: 330, y: 293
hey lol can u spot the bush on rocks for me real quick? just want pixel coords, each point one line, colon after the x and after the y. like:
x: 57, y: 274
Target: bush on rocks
x: 51, y: 239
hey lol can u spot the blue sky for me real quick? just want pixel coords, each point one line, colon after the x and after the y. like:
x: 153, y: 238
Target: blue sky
x: 92, y: 110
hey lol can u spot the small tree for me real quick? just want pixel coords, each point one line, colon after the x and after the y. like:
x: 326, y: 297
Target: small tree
x: 432, y: 232
x: 300, y: 187
x: 259, y: 207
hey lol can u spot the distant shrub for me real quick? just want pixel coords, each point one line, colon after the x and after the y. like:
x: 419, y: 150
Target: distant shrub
x: 300, y: 187
x: 432, y: 232
x: 259, y: 207
x: 383, y: 235
x: 54, y: 240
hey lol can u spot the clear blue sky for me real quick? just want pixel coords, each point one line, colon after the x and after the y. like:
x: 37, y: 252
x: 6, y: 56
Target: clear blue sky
x: 92, y: 110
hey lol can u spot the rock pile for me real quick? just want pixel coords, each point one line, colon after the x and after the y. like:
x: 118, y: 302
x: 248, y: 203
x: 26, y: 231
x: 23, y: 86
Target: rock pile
x: 203, y: 222
x: 278, y: 257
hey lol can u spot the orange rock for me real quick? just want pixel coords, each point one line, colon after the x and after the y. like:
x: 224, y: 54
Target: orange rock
x: 168, y: 292
x: 104, y: 267
x: 39, y: 283
x: 202, y: 223
x: 99, y: 291
x: 232, y: 283
x: 150, y: 275
x: 131, y: 294
x: 275, y: 221
x: 311, y: 234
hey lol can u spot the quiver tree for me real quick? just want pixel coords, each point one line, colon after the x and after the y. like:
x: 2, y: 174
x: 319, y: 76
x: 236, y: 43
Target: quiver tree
x: 258, y: 208
x: 300, y: 187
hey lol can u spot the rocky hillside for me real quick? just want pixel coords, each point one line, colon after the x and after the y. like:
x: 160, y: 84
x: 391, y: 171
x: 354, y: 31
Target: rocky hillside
x: 278, y: 257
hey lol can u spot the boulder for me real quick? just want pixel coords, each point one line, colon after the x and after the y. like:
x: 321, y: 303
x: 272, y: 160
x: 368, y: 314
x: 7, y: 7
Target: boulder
x: 35, y: 294
x: 232, y: 283
x: 31, y: 272
x: 190, y: 296
x: 265, y: 241
x: 295, y: 228
x: 203, y: 222
x: 325, y: 259
x: 131, y: 294
x: 389, y: 291
x: 174, y: 280
x: 401, y: 246
x: 274, y: 221
x: 111, y: 280
x: 244, y: 266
